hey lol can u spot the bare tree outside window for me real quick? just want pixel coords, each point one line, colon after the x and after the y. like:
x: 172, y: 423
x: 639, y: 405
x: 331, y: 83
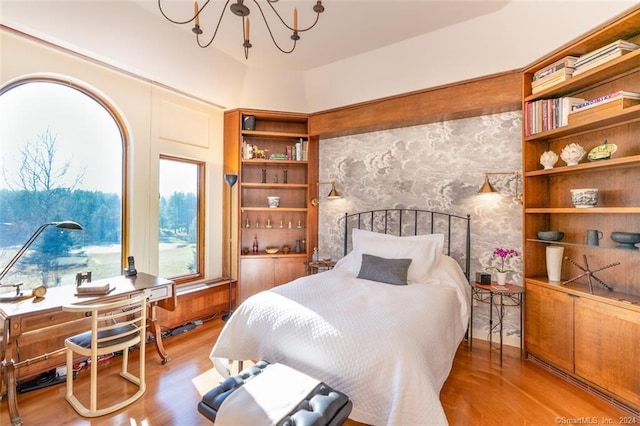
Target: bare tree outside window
x: 62, y: 159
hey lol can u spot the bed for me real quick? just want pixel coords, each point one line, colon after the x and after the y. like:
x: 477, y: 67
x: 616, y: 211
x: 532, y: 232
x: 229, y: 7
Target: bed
x: 379, y: 327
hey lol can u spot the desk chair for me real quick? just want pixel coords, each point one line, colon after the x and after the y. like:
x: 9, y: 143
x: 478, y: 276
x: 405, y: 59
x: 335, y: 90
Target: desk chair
x: 115, y: 326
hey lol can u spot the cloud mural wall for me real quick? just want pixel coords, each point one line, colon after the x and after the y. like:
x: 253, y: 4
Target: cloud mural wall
x: 438, y: 166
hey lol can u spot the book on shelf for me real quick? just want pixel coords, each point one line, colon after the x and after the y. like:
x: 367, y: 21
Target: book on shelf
x: 566, y: 62
x: 547, y: 114
x: 602, y: 110
x: 606, y: 98
x: 600, y: 60
x: 552, y: 76
x: 549, y: 83
x: 278, y: 157
x: 94, y: 289
x: 567, y: 106
x: 247, y: 150
x: 298, y: 151
x: 604, y: 50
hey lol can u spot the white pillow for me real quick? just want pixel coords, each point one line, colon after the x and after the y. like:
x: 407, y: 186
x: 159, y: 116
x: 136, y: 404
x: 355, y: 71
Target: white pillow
x: 423, y: 250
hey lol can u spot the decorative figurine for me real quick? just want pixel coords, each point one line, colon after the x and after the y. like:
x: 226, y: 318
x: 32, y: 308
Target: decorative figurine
x: 548, y: 159
x: 590, y: 274
x: 572, y: 154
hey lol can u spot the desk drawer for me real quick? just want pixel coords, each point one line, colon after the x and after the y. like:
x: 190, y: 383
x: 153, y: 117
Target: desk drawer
x: 37, y: 322
x: 160, y: 293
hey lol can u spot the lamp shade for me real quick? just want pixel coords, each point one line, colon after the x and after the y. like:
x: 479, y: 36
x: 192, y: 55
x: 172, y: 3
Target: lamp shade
x: 333, y: 193
x: 68, y: 224
x: 486, y: 187
x: 231, y: 179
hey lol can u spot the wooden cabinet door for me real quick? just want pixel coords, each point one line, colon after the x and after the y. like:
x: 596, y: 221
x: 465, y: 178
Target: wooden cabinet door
x: 288, y: 269
x: 549, y: 330
x: 606, y: 347
x: 256, y: 275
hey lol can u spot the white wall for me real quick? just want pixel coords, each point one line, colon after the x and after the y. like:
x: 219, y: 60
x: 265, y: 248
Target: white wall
x: 128, y: 36
x: 141, y: 105
x: 508, y: 39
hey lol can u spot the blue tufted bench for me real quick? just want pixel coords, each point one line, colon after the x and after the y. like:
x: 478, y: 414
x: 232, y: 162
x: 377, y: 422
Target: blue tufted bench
x: 323, y: 406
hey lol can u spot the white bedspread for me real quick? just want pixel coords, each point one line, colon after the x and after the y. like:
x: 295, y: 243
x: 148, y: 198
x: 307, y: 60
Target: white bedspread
x: 389, y: 348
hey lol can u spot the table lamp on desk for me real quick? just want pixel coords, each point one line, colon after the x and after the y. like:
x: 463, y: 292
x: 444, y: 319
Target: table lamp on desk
x: 39, y: 291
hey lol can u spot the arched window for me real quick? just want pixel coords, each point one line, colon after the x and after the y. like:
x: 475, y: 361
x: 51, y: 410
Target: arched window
x: 63, y: 157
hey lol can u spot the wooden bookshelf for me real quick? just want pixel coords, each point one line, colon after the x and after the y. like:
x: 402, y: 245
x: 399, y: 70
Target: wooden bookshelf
x: 566, y: 325
x: 294, y: 220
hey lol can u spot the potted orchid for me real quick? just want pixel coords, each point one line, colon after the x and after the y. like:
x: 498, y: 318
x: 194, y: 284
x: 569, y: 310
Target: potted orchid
x: 502, y: 255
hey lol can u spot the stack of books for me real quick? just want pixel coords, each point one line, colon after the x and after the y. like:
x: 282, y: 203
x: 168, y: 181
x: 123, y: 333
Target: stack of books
x: 548, y: 114
x: 555, y: 73
x: 277, y: 156
x: 603, y: 55
x: 299, y: 151
x: 603, y: 106
x: 94, y: 289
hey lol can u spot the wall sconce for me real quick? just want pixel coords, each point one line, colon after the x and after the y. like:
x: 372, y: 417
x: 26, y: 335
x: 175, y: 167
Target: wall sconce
x: 487, y: 188
x: 333, y: 194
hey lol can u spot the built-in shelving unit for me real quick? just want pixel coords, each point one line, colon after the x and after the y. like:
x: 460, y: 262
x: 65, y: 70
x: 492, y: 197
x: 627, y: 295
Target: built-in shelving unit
x: 293, y: 224
x: 566, y: 325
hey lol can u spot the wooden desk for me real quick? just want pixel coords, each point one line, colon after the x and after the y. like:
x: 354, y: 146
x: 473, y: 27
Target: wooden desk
x: 34, y: 330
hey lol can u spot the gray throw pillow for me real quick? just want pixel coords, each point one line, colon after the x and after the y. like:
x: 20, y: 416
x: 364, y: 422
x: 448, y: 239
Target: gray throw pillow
x: 390, y: 271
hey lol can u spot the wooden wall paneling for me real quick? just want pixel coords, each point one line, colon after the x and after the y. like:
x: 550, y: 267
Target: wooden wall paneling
x: 481, y: 96
x: 196, y: 305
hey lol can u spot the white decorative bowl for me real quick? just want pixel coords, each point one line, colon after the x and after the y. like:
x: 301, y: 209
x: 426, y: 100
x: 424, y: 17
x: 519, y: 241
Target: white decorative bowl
x: 585, y: 197
x: 548, y: 159
x: 572, y: 154
x: 273, y: 201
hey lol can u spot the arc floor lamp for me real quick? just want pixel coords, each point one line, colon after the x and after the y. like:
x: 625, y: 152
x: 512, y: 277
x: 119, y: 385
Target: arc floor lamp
x: 40, y: 290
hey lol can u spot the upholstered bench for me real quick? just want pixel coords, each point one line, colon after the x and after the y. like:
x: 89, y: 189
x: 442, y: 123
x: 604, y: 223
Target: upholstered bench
x: 275, y: 394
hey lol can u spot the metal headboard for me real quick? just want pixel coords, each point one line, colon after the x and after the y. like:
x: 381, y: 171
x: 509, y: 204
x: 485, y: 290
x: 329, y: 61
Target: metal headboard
x: 404, y: 222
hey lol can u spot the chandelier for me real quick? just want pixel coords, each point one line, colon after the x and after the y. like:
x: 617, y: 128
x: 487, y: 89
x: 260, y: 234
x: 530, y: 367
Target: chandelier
x: 240, y: 9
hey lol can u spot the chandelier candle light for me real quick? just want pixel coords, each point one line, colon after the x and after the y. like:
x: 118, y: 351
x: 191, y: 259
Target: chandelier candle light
x: 240, y: 9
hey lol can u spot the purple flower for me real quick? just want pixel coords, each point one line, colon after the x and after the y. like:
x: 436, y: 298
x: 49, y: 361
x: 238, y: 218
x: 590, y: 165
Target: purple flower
x: 503, y: 254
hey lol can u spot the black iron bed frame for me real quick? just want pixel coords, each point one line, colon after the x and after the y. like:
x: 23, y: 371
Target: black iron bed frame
x: 404, y: 222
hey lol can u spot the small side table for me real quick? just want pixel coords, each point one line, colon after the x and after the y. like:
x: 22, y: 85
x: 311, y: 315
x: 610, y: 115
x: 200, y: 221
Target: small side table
x: 319, y: 266
x: 514, y: 296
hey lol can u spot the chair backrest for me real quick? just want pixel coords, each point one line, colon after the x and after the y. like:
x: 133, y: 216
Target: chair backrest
x: 116, y: 323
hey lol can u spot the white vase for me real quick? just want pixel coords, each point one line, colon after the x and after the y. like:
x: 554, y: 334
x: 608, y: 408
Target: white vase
x: 554, y: 263
x: 501, y: 277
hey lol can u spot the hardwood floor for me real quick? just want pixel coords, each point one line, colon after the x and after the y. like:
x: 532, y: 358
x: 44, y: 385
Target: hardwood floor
x: 478, y: 391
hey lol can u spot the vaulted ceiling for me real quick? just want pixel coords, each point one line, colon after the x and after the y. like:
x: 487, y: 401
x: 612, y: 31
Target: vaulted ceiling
x: 359, y: 50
